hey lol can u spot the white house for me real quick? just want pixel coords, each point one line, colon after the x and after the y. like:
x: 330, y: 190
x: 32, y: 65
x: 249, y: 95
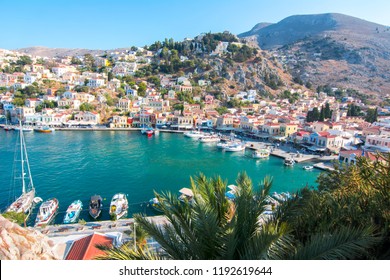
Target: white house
x: 380, y: 142
x: 88, y: 118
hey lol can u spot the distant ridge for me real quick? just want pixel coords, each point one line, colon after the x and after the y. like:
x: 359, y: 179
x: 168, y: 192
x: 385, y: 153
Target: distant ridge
x: 329, y: 49
x: 255, y: 29
x: 297, y: 27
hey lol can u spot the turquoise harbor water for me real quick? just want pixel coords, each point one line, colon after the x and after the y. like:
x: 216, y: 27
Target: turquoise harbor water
x: 72, y: 165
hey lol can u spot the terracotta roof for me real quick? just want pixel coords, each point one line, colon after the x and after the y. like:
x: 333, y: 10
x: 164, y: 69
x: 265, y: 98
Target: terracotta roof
x: 359, y: 153
x: 301, y: 133
x: 85, y: 248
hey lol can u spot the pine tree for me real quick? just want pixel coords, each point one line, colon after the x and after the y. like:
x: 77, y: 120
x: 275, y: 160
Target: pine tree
x: 322, y: 114
x: 328, y: 112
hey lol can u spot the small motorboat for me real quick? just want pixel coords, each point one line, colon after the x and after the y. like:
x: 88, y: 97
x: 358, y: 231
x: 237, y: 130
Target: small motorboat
x: 194, y: 134
x: 289, y: 162
x: 209, y: 139
x: 47, y: 212
x: 24, y: 128
x: 235, y: 147
x: 231, y: 193
x: 73, y: 212
x: 43, y: 129
x: 186, y: 195
x: 154, y: 203
x: 118, y: 206
x: 308, y: 167
x: 262, y: 153
x: 95, y: 206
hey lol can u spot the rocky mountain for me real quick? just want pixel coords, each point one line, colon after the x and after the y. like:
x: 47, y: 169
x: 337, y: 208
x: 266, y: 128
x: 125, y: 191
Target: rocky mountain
x: 17, y: 243
x: 255, y: 29
x: 334, y: 49
x: 60, y: 52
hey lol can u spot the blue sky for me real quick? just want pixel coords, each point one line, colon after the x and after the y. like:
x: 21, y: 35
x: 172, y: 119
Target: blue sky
x: 122, y: 23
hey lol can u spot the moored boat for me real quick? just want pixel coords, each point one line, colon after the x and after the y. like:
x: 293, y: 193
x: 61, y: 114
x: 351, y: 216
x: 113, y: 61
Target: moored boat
x: 262, y: 153
x: 209, y: 139
x: 47, y: 212
x: 232, y: 192
x: 95, y: 206
x: 308, y: 167
x: 194, y: 134
x: 8, y: 127
x: 43, y: 129
x: 235, y: 147
x: 154, y: 203
x: 25, y: 202
x: 186, y: 195
x: 118, y: 206
x: 289, y: 162
x: 24, y: 128
x: 73, y: 212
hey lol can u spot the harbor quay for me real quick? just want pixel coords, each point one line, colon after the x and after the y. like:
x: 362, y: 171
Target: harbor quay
x: 105, y: 226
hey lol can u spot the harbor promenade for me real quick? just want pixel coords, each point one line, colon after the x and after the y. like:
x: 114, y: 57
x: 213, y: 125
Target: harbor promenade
x: 289, y: 152
x: 122, y: 225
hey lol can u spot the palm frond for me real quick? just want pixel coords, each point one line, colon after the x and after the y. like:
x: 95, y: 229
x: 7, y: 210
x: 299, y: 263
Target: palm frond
x: 345, y: 244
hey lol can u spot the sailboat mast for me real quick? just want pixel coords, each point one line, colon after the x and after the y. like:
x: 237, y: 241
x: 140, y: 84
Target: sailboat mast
x: 21, y: 156
x: 28, y: 164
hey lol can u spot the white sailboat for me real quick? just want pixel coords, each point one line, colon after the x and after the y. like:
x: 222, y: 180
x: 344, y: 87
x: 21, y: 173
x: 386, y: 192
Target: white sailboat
x: 25, y: 202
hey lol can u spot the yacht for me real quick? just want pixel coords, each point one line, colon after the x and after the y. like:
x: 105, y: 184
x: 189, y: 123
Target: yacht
x: 25, y: 202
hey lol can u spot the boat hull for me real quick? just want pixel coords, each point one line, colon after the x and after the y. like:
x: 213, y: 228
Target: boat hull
x: 95, y: 206
x: 23, y: 204
x: 73, y: 212
x: 42, y: 220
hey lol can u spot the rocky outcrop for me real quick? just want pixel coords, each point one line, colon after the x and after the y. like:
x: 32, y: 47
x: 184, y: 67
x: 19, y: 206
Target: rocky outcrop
x: 17, y: 243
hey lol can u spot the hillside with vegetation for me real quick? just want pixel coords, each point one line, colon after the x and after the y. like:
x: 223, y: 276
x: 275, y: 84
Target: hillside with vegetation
x: 330, y: 49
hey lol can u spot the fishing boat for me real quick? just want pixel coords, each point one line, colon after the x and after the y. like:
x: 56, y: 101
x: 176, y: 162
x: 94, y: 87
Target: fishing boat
x: 186, y: 195
x: 308, y: 167
x: 25, y: 202
x: 235, y: 147
x: 47, y: 212
x: 43, y: 129
x: 95, y: 206
x: 118, y: 206
x: 262, y: 153
x: 73, y: 212
x: 289, y: 162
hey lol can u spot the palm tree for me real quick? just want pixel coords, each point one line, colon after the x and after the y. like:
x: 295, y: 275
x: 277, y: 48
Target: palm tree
x: 215, y: 228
